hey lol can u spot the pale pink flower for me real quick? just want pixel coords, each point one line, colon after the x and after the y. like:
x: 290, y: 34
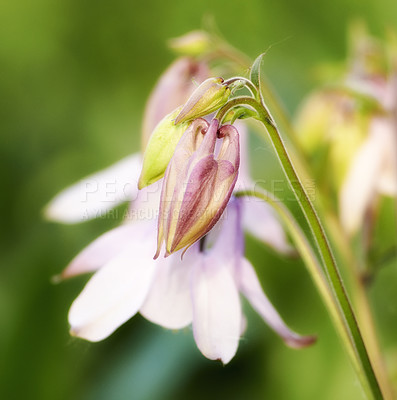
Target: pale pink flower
x: 201, y: 289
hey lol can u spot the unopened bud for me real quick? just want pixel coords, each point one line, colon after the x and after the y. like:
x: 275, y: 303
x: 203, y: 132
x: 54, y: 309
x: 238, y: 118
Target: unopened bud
x: 160, y: 149
x: 207, y: 98
x: 197, y: 184
x: 171, y: 91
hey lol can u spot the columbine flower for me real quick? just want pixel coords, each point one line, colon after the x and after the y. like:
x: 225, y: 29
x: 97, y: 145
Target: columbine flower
x: 197, y: 185
x: 202, y: 289
x: 128, y: 280
x: 96, y: 194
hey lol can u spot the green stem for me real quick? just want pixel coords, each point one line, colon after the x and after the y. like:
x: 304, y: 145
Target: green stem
x: 247, y: 83
x: 311, y: 262
x: 363, y: 366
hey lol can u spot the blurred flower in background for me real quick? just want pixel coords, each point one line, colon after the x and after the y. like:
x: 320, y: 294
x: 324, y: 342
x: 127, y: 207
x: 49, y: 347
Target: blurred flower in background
x: 348, y: 129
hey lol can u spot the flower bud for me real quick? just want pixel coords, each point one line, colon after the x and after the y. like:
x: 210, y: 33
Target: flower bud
x: 197, y: 185
x: 208, y: 97
x: 171, y: 91
x: 194, y: 43
x: 160, y: 149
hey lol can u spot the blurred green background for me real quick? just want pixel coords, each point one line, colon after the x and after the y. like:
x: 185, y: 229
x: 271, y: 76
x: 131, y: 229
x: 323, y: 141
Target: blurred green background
x: 74, y: 79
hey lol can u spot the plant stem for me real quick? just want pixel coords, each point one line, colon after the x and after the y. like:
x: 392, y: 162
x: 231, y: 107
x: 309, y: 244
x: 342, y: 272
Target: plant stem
x: 363, y: 366
x: 340, y: 239
x: 311, y: 262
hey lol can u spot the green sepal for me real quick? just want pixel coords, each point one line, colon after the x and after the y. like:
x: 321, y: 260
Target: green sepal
x: 160, y: 148
x: 255, y: 74
x: 239, y: 113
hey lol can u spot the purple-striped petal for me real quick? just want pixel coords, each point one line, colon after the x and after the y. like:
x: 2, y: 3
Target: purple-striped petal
x: 197, y: 188
x: 252, y: 290
x: 169, y: 301
x: 244, y: 180
x: 260, y: 221
x: 216, y: 309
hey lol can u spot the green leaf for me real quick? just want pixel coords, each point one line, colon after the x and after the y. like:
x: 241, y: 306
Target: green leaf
x: 255, y: 75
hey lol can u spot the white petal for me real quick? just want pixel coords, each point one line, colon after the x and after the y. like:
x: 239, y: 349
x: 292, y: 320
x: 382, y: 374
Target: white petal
x: 106, y: 247
x: 115, y: 293
x: 226, y: 239
x: 260, y: 221
x: 147, y: 203
x: 216, y: 309
x: 360, y: 184
x: 169, y: 302
x: 252, y: 290
x: 96, y: 194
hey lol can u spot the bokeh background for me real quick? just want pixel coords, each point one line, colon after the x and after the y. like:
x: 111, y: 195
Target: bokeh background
x: 74, y: 78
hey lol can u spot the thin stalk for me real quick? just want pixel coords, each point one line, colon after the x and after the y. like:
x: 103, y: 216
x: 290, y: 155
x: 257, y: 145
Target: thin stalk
x: 363, y: 367
x: 311, y: 262
x: 360, y: 295
x: 361, y: 301
x: 247, y: 83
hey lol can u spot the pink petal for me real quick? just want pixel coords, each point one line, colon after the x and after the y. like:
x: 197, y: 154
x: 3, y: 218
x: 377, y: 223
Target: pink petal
x: 244, y: 180
x: 216, y: 309
x: 252, y: 290
x: 172, y: 189
x: 114, y: 294
x: 146, y: 204
x: 169, y: 302
x: 260, y: 221
x: 96, y: 194
x: 227, y: 237
x: 108, y: 246
x: 172, y: 90
x: 210, y: 185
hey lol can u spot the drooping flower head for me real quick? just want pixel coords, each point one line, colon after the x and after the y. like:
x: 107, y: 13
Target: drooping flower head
x: 198, y: 184
x: 203, y: 289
